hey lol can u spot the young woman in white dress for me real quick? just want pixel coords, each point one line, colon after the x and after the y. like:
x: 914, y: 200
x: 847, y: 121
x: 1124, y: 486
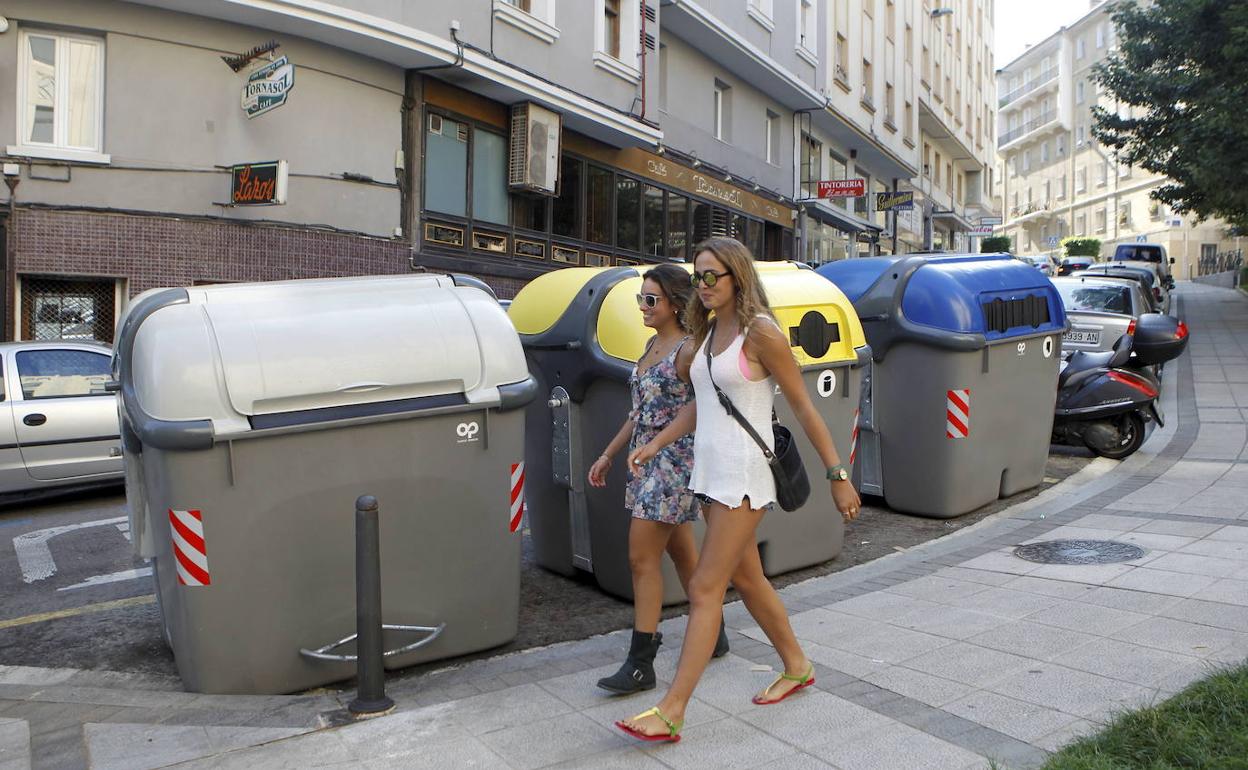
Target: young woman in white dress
x: 750, y: 356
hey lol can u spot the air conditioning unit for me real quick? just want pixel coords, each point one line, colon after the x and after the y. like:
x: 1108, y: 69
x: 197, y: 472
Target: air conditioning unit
x: 536, y: 134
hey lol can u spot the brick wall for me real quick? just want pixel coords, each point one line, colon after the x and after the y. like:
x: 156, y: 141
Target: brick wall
x: 153, y: 251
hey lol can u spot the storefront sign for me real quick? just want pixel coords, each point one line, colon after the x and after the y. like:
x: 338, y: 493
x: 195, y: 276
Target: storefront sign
x: 258, y: 184
x: 267, y: 86
x: 843, y: 188
x: 981, y: 230
x: 990, y: 220
x: 894, y: 201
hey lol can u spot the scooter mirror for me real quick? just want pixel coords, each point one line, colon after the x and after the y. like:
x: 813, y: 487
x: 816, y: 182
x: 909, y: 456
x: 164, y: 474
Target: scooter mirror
x: 1122, y: 351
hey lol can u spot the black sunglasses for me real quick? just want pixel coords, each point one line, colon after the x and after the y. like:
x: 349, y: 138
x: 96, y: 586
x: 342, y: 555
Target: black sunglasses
x: 649, y: 301
x: 708, y: 277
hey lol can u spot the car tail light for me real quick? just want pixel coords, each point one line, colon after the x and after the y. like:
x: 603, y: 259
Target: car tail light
x: 1181, y: 331
x: 1157, y: 293
x: 1131, y: 327
x: 1131, y: 381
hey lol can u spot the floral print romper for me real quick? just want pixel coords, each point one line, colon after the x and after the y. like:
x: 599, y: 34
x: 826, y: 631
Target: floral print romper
x: 661, y: 493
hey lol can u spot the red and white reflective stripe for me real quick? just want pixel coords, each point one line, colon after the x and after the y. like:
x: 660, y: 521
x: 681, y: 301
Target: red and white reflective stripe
x: 957, y: 413
x: 189, y: 552
x: 853, y: 440
x: 517, y: 495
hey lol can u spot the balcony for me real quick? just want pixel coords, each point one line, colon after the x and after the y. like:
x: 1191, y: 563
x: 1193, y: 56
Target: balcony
x: 1015, y: 134
x: 1045, y: 78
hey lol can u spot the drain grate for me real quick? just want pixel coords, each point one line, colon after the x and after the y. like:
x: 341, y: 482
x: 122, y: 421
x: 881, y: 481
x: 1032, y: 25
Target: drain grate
x: 1078, y: 552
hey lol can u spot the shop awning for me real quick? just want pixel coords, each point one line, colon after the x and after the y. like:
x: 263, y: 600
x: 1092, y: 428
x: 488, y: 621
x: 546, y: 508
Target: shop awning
x: 391, y: 41
x: 839, y: 217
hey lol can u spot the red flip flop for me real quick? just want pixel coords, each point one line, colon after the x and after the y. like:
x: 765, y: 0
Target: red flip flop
x: 803, y: 681
x: 673, y: 728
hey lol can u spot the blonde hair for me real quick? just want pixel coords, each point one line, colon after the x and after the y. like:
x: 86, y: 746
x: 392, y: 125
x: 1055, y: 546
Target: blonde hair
x: 751, y: 299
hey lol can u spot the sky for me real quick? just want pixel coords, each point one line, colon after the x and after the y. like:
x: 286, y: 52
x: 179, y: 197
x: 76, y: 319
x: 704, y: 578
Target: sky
x: 1023, y: 22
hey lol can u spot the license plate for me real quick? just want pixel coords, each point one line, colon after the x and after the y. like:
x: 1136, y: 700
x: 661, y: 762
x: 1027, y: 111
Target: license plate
x: 1083, y: 336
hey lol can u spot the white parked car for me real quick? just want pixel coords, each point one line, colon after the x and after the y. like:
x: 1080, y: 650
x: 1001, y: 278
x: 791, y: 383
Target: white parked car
x: 59, y: 424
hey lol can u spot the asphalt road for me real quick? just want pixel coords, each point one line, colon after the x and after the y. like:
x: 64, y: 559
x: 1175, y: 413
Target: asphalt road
x: 72, y: 595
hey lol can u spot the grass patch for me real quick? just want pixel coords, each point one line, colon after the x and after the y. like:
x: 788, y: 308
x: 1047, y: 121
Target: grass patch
x: 1205, y: 726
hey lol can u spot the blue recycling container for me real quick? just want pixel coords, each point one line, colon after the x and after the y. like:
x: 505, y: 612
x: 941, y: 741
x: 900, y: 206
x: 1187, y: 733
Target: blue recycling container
x: 958, y: 407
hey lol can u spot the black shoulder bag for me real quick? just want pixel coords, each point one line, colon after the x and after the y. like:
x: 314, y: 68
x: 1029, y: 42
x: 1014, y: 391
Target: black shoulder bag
x: 792, y: 484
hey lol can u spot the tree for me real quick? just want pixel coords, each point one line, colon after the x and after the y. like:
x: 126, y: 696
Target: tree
x: 1179, y: 80
x: 1074, y: 246
x: 994, y: 243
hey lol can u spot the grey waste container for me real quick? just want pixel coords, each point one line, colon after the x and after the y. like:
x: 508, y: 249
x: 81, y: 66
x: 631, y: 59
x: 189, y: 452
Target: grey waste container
x: 254, y: 415
x: 959, y: 405
x: 582, y: 334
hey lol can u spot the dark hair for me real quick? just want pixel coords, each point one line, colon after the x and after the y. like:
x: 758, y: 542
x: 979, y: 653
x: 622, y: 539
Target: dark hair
x: 674, y: 281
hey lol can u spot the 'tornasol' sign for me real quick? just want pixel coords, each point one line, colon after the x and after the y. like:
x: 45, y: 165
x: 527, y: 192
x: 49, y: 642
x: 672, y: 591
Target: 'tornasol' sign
x: 267, y: 86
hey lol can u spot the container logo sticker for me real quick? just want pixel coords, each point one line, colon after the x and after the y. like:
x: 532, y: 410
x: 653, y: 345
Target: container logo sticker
x: 517, y: 496
x: 853, y: 439
x: 826, y: 383
x: 1022, y: 348
x: 957, y: 413
x: 1048, y: 347
x: 190, y: 555
x: 467, y: 431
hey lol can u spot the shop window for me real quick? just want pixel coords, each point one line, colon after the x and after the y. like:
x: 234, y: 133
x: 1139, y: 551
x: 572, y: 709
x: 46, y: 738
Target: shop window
x: 446, y: 166
x: 754, y: 234
x: 652, y: 220
x: 678, y: 227
x: 628, y: 213
x: 567, y: 215
x: 60, y: 309
x: 60, y: 93
x: 528, y: 212
x: 489, y: 177
x: 701, y: 222
x: 738, y: 228
x: 598, y: 205
x: 812, y: 165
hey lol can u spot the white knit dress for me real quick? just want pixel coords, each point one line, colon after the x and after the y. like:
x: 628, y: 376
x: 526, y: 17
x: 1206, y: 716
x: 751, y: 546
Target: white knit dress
x: 728, y: 465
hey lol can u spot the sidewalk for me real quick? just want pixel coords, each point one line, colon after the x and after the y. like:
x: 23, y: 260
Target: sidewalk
x: 945, y: 656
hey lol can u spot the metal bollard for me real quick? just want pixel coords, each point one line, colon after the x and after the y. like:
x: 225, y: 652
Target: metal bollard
x: 369, y: 673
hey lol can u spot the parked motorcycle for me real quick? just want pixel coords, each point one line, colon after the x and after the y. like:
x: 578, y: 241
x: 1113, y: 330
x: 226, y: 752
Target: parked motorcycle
x: 1105, y: 400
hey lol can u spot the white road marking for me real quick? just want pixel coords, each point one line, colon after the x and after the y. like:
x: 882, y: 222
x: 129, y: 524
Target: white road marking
x: 116, y: 577
x: 33, y: 555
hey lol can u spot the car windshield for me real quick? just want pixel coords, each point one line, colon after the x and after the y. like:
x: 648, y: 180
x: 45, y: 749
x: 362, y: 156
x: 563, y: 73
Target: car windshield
x: 1096, y: 297
x: 1140, y: 253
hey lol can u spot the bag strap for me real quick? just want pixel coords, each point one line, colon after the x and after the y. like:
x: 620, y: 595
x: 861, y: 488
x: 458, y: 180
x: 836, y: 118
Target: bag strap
x: 730, y: 407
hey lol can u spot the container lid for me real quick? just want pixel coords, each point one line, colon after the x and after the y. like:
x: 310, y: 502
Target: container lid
x: 985, y: 296
x: 235, y: 351
x: 832, y: 334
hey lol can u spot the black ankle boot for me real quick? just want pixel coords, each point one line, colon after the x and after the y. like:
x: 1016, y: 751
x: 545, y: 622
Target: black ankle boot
x: 637, y: 673
x: 721, y: 644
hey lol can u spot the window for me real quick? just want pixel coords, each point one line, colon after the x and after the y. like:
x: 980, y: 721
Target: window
x: 1061, y: 187
x: 838, y: 169
x: 722, y: 112
x: 842, y: 60
x: 862, y: 204
x: 1026, y: 161
x: 1044, y: 152
x: 1061, y: 145
x: 909, y: 118
x: 524, y: 5
x: 60, y: 93
x: 1081, y: 224
x: 1100, y: 35
x: 677, y: 226
x: 762, y: 7
x: 652, y: 222
x: 61, y: 373
x: 1104, y: 177
x: 1079, y: 51
x: 529, y: 212
x: 868, y: 85
x: 446, y: 166
x: 67, y: 309
x: 489, y: 177
x: 1079, y: 135
x: 598, y: 205
x: 567, y: 213
x: 1079, y: 92
x: 812, y: 165
x: 772, y: 128
x: 611, y: 27
x: 806, y: 25
x: 890, y: 116
x: 1101, y: 216
x: 1081, y: 180
x: 663, y: 78
x: 628, y: 214
x: 936, y: 170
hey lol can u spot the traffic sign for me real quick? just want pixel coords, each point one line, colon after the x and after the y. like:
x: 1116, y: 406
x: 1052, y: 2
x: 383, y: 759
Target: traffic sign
x: 1141, y: 239
x: 990, y: 220
x: 1052, y: 240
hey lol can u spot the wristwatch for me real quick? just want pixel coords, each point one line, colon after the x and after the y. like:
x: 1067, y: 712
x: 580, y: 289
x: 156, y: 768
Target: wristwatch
x: 838, y: 473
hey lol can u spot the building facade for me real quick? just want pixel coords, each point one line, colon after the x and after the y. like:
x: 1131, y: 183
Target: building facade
x: 1056, y: 181
x: 161, y: 142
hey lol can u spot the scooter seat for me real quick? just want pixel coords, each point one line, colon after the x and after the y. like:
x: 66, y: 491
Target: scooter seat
x: 1081, y: 361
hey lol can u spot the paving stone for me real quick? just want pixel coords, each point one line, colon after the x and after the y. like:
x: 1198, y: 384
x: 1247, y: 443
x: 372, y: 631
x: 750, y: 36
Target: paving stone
x: 1007, y: 603
x: 948, y: 622
x: 1060, y: 589
x: 936, y: 589
x: 1132, y: 601
x: 1227, y: 591
x: 726, y: 743
x: 1159, y: 581
x: 815, y: 717
x: 1181, y: 528
x: 1117, y: 659
x: 986, y: 577
x: 1069, y: 691
x: 1089, y: 618
x: 1019, y: 719
x: 925, y: 688
x: 14, y: 744
x: 139, y: 747
x: 1180, y: 636
x: 882, y: 605
x: 1028, y: 639
x: 968, y: 663
x: 1060, y: 738
x: 577, y: 736
x: 894, y: 746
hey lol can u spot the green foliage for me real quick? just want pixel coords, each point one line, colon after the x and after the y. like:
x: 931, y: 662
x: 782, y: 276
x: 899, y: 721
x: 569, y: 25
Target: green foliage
x: 994, y: 243
x: 1076, y: 246
x: 1179, y: 80
x: 1205, y: 726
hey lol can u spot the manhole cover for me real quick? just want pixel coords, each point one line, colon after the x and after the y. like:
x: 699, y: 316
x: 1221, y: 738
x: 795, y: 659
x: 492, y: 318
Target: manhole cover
x: 1078, y: 552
